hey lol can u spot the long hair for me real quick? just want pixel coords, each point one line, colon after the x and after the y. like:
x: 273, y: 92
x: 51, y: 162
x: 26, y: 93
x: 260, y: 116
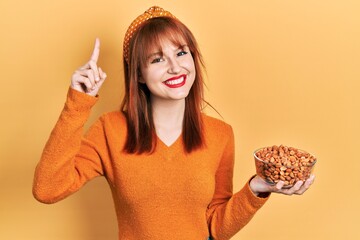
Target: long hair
x: 136, y: 105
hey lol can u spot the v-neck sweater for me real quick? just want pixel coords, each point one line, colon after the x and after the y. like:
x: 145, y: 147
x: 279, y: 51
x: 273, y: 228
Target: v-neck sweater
x: 168, y: 194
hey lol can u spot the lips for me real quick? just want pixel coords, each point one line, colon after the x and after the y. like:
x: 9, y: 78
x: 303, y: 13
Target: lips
x: 176, y: 82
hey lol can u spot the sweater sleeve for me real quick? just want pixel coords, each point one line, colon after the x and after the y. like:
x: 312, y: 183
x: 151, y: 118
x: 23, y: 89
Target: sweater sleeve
x: 69, y: 160
x: 228, y: 213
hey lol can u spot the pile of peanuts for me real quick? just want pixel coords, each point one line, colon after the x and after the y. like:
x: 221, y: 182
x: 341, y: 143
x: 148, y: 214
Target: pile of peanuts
x: 284, y: 163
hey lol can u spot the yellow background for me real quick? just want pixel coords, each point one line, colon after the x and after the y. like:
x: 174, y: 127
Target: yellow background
x: 280, y: 72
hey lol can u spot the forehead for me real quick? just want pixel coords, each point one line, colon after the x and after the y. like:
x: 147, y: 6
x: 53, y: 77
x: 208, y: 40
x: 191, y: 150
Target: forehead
x: 166, y: 44
x: 157, y: 35
x: 163, y: 41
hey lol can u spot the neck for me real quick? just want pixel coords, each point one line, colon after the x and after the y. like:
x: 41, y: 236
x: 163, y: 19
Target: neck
x: 168, y: 115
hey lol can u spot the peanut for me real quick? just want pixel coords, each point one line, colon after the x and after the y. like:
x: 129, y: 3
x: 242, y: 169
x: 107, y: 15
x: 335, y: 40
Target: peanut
x: 284, y: 163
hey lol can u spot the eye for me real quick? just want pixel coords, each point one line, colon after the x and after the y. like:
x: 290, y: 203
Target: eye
x: 181, y: 53
x: 156, y: 60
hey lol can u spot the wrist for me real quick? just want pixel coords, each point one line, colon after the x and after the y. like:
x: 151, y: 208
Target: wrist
x: 253, y: 184
x: 252, y: 187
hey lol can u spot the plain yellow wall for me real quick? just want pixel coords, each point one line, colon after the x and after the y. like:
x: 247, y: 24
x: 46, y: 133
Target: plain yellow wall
x: 280, y: 72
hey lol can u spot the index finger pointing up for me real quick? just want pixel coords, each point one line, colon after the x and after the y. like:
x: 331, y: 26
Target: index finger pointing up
x: 96, y: 51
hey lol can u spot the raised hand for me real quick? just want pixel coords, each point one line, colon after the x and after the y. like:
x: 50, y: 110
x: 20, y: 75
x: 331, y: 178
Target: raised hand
x: 89, y: 78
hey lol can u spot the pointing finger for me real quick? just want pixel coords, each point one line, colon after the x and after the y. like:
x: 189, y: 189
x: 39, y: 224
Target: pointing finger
x: 86, y: 66
x: 96, y: 51
x: 95, y: 70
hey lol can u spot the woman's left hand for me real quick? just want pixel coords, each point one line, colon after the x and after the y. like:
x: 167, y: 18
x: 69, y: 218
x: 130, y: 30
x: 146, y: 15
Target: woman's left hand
x: 258, y: 186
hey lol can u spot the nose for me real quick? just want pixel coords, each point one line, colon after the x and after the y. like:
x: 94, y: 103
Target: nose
x: 174, y: 66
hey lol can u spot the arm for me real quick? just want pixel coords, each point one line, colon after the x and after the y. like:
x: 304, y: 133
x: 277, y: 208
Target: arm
x: 228, y: 213
x: 68, y: 160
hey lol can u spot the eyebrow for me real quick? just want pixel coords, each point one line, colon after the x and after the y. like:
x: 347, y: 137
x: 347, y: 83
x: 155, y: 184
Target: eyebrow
x: 160, y: 53
x: 154, y: 54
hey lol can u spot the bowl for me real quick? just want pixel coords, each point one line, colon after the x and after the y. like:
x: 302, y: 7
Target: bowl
x: 282, y: 163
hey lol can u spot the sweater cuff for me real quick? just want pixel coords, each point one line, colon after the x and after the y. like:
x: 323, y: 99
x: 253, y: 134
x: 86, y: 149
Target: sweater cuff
x: 79, y: 101
x: 254, y: 200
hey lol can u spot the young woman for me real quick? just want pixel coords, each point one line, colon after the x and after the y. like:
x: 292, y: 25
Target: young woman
x: 168, y: 165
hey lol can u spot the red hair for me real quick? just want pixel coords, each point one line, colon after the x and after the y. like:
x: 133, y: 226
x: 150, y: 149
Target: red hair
x: 141, y: 135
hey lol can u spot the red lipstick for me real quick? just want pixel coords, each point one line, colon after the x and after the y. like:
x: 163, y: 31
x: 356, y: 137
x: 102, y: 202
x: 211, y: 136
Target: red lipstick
x: 176, y: 82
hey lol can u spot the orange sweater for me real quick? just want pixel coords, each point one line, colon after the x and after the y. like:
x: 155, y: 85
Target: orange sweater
x: 165, y: 195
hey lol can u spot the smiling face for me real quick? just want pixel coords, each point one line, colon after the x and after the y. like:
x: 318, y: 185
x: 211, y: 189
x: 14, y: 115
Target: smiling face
x: 151, y: 72
x: 169, y: 71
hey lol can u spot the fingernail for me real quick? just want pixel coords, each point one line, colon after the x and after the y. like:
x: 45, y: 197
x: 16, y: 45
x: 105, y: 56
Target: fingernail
x: 97, y: 79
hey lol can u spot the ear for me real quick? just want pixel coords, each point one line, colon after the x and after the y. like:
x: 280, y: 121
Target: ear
x: 141, y: 80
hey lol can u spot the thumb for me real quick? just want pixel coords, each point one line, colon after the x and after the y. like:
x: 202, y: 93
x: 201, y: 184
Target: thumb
x: 279, y: 185
x: 102, y: 74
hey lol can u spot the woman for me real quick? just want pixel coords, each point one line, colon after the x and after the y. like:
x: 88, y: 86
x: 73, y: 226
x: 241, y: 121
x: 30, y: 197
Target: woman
x: 169, y: 166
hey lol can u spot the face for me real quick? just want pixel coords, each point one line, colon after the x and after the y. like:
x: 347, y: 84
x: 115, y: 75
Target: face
x: 169, y: 73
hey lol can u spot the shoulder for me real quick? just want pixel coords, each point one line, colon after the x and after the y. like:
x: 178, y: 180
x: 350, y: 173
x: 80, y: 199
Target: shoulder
x: 211, y: 122
x: 216, y: 127
x: 111, y: 125
x: 112, y: 121
x: 114, y: 116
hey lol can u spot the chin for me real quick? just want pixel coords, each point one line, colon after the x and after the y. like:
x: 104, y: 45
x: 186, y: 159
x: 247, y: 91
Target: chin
x: 180, y: 96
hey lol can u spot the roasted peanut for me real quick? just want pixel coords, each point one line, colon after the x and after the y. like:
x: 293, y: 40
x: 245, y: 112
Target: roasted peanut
x: 283, y: 163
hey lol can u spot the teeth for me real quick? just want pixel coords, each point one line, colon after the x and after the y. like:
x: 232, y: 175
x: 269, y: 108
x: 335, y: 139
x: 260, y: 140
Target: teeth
x: 173, y: 82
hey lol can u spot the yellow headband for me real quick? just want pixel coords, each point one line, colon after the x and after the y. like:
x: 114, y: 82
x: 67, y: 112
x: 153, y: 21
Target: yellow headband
x: 152, y: 12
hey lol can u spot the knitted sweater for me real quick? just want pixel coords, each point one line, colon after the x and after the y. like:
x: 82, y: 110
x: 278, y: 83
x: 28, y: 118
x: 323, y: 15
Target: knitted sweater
x: 168, y: 194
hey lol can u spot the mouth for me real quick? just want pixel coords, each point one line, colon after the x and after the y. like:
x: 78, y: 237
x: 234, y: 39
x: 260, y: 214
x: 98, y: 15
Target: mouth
x: 176, y: 82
